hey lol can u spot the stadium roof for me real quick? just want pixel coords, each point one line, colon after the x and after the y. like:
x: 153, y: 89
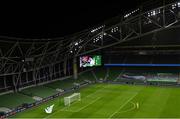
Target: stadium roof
x: 51, y: 20
x: 58, y: 19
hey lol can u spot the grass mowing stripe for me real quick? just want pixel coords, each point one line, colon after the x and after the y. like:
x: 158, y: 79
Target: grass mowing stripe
x: 96, y: 91
x: 82, y: 107
x: 89, y: 104
x: 65, y: 108
x: 83, y: 98
x: 155, y: 102
x: 88, y: 96
x: 122, y: 106
x: 130, y: 109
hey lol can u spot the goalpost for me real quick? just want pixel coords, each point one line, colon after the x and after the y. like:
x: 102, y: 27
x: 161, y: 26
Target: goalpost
x: 74, y: 97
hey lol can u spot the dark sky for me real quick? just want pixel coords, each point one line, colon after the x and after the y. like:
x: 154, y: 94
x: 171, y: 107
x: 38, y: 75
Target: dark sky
x: 49, y: 20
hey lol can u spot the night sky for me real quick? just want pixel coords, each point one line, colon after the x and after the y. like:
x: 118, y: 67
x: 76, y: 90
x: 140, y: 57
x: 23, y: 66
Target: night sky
x: 49, y: 20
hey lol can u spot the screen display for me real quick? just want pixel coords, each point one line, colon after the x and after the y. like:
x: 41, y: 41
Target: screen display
x: 90, y: 61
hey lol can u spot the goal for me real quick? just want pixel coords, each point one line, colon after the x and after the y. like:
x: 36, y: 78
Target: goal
x: 74, y: 97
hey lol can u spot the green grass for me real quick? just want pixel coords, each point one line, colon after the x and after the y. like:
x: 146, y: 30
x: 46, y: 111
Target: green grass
x: 115, y: 101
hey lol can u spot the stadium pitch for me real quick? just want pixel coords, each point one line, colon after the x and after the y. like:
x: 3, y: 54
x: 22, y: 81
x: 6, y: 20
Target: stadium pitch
x: 114, y: 101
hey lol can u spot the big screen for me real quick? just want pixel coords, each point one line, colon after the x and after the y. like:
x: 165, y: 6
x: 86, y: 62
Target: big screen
x: 90, y: 61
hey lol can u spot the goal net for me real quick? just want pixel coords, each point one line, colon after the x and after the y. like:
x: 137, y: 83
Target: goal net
x: 74, y: 97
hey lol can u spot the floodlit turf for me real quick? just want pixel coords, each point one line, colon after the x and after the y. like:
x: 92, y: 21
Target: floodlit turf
x: 115, y: 101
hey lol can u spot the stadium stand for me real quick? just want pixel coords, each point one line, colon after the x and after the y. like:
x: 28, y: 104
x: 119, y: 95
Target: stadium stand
x: 114, y: 72
x: 30, y: 95
x: 69, y: 83
x: 61, y: 84
x: 100, y: 73
x: 143, y: 75
x: 14, y: 99
x: 40, y: 91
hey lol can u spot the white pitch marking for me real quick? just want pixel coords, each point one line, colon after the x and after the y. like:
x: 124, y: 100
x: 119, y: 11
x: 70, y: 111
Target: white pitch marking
x: 88, y: 104
x: 122, y: 106
x: 76, y: 102
x: 97, y: 91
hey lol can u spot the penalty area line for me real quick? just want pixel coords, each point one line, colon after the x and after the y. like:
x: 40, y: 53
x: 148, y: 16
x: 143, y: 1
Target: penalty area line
x: 121, y: 106
x: 88, y: 96
x: 69, y: 110
x: 88, y: 104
